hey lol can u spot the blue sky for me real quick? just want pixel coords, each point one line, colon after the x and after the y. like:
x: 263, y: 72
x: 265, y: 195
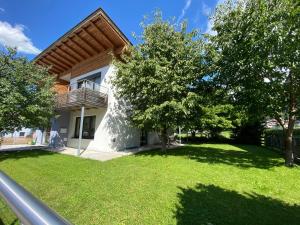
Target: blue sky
x: 32, y: 25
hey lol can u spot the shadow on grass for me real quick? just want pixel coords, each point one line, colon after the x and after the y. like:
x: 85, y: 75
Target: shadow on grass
x: 245, y: 157
x: 23, y: 154
x: 209, y: 204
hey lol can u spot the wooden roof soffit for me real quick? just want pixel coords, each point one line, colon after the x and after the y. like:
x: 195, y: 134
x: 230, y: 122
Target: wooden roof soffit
x: 94, y: 35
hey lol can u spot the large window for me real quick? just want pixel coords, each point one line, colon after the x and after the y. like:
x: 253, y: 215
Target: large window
x: 88, y: 130
x: 91, y: 82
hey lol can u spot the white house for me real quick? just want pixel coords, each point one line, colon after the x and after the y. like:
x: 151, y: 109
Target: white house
x: 88, y: 114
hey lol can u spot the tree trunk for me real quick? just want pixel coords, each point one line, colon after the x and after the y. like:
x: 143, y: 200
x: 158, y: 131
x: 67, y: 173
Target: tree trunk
x: 193, y: 134
x: 289, y: 155
x: 164, y: 139
x: 288, y: 142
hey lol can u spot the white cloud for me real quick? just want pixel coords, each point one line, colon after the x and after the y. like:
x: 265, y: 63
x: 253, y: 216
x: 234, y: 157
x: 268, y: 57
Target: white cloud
x: 185, y: 8
x: 210, y: 22
x: 13, y: 36
x: 206, y: 10
x: 197, y: 16
x: 209, y: 26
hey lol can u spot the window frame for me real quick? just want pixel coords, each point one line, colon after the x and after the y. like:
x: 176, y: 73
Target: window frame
x: 77, y: 127
x: 91, y: 78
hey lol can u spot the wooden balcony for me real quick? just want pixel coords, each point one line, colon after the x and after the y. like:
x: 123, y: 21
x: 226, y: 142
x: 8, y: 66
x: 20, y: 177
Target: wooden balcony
x: 84, y: 96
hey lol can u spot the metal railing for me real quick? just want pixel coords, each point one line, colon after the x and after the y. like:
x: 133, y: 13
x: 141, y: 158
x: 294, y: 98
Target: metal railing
x: 88, y: 93
x: 89, y: 85
x: 28, y: 209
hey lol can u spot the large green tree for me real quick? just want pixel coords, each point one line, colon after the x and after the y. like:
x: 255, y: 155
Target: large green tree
x: 159, y: 75
x: 211, y: 110
x: 256, y: 54
x: 26, y: 95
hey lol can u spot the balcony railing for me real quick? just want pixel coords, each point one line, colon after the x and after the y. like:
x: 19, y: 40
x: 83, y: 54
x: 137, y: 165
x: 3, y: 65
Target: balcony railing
x: 86, y: 93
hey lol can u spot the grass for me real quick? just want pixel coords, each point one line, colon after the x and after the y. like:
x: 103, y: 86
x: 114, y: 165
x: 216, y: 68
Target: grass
x: 226, y: 134
x: 195, y: 184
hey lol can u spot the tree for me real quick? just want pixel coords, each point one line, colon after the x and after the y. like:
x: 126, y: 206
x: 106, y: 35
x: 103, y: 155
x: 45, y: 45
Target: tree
x: 157, y: 76
x: 210, y: 110
x: 256, y: 56
x: 26, y: 95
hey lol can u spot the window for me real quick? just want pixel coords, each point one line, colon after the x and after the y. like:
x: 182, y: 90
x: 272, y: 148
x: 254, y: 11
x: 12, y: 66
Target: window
x: 88, y: 130
x: 91, y: 82
x: 21, y: 134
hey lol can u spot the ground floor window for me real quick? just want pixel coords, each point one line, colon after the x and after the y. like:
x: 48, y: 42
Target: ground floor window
x: 88, y: 130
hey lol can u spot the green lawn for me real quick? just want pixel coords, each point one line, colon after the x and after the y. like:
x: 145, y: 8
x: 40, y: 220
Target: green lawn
x: 196, y: 184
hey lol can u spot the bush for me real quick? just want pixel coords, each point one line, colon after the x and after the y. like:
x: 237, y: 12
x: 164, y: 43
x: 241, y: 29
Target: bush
x: 202, y: 138
x: 269, y: 132
x: 249, y: 133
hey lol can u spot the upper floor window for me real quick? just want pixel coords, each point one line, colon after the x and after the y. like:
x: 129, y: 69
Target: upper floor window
x: 91, y: 82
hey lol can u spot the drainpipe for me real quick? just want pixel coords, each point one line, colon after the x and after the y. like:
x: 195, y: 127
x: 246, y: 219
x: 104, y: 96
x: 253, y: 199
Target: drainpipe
x: 80, y: 131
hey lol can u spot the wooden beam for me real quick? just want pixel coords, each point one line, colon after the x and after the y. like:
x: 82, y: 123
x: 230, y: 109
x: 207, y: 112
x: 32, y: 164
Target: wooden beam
x: 61, y: 58
x: 74, y: 51
x: 50, y: 67
x: 86, y: 43
x: 119, y: 50
x: 93, y: 38
x: 78, y: 46
x: 39, y: 63
x: 76, y: 60
x: 42, y: 63
x: 103, y: 35
x: 57, y: 62
x: 54, y: 71
x: 61, y: 81
x: 52, y: 64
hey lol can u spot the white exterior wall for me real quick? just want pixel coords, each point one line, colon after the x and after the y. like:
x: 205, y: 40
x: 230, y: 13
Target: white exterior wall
x: 153, y: 138
x: 113, y: 132
x: 27, y: 131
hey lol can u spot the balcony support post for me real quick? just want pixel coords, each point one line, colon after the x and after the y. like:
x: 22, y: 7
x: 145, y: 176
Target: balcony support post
x: 80, y: 130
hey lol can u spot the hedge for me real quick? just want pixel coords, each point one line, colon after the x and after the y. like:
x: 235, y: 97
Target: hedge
x: 279, y: 132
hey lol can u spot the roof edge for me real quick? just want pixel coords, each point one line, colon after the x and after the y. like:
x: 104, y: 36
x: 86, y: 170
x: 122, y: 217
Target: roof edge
x: 97, y: 11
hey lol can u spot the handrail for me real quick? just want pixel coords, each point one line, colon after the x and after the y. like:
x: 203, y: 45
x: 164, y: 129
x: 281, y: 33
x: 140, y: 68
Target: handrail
x: 89, y: 85
x: 29, y: 209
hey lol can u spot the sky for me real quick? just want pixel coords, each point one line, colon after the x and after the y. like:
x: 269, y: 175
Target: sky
x: 33, y: 25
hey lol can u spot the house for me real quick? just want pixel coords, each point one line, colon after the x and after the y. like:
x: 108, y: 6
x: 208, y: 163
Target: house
x: 21, y: 136
x: 23, y: 132
x: 88, y: 116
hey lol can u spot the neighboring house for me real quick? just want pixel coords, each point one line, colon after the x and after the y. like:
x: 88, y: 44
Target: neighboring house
x: 273, y: 124
x: 88, y: 114
x: 24, y: 132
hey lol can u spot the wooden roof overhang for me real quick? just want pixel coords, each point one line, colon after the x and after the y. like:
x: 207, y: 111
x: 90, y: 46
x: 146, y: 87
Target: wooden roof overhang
x: 94, y: 35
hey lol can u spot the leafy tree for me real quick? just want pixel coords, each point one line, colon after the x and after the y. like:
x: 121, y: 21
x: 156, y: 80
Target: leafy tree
x: 209, y: 111
x: 256, y: 55
x: 26, y: 95
x: 217, y: 118
x: 159, y: 75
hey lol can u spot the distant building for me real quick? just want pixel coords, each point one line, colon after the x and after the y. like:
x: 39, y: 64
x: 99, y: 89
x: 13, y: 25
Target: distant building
x: 24, y: 132
x: 272, y: 123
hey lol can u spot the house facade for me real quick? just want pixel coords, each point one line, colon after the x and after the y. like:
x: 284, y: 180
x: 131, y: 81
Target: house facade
x: 88, y: 115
